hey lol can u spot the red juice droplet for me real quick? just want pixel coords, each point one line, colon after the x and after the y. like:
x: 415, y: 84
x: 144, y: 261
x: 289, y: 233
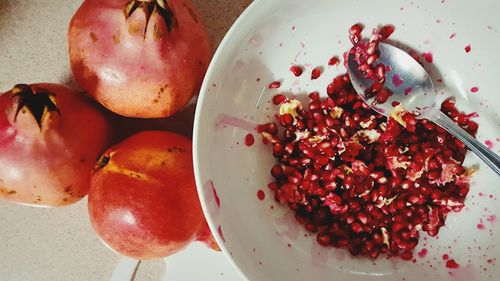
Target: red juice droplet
x: 474, y: 89
x: 261, y: 195
x: 408, y: 91
x: 224, y: 120
x: 492, y: 218
x: 249, y: 140
x: 489, y: 144
x: 480, y: 226
x: 397, y: 80
x: 422, y: 253
x: 467, y: 48
x: 219, y: 230
x: 214, y: 191
x: 445, y: 257
x: 452, y: 264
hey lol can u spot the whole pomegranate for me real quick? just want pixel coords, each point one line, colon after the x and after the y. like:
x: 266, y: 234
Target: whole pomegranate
x: 50, y: 137
x: 143, y: 201
x: 139, y: 58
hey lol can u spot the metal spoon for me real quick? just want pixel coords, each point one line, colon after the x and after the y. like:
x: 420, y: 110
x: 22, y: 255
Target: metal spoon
x: 411, y: 77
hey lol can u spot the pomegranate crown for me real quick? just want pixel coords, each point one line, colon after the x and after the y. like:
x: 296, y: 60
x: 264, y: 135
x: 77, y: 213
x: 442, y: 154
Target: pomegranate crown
x: 38, y: 102
x: 149, y: 7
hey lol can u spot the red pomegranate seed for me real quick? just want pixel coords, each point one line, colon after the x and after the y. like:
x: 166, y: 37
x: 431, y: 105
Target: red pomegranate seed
x: 410, y: 119
x: 333, y: 61
x: 380, y: 71
x: 386, y: 31
x: 407, y: 255
x: 324, y: 239
x: 249, y: 140
x: 371, y: 59
x: 275, y: 85
x: 383, y: 95
x: 315, y: 73
x: 279, y: 99
x: 428, y: 57
x: 314, y: 96
x: 286, y: 119
x: 372, y: 48
x: 355, y: 38
x: 296, y: 70
x: 277, y: 149
x: 276, y: 171
x: 356, y: 29
x: 261, y: 195
x: 472, y: 127
x: 467, y: 48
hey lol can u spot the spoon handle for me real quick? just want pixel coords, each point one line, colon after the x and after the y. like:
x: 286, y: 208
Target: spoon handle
x: 487, y: 155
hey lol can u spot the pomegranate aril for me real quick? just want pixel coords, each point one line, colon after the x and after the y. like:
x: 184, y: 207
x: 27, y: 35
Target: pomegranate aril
x: 382, y: 96
x: 356, y: 227
x: 286, y: 120
x: 362, y: 217
x: 279, y: 99
x: 333, y: 61
x: 296, y: 70
x: 472, y: 127
x: 272, y: 186
x: 407, y: 255
x: 277, y: 149
x: 356, y: 29
x: 371, y: 59
x: 314, y: 96
x: 380, y: 71
x: 355, y: 38
x: 276, y: 171
x: 323, y: 239
x: 410, y: 119
x: 315, y: 73
x: 386, y: 31
x: 372, y: 48
x: 275, y: 85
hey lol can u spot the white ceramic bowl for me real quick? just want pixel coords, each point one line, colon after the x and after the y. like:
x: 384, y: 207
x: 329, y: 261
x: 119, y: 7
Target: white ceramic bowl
x: 267, y: 244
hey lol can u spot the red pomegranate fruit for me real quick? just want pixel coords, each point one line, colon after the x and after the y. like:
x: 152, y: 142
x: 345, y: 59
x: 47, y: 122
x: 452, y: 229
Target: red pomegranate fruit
x: 143, y: 201
x: 139, y: 58
x: 50, y: 137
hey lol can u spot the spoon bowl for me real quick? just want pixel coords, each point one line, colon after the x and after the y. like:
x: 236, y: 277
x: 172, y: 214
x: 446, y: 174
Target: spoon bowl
x: 406, y: 78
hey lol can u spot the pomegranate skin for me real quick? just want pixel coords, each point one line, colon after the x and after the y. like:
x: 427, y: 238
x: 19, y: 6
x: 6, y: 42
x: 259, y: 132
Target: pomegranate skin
x: 143, y: 201
x: 135, y: 66
x: 47, y: 162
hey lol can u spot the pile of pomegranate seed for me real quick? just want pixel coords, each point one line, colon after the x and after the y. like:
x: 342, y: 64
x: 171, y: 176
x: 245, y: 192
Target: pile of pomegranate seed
x: 366, y: 54
x: 363, y: 181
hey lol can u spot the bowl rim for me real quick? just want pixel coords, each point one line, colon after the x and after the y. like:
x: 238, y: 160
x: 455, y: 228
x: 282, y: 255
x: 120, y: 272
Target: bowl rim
x: 196, y: 128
